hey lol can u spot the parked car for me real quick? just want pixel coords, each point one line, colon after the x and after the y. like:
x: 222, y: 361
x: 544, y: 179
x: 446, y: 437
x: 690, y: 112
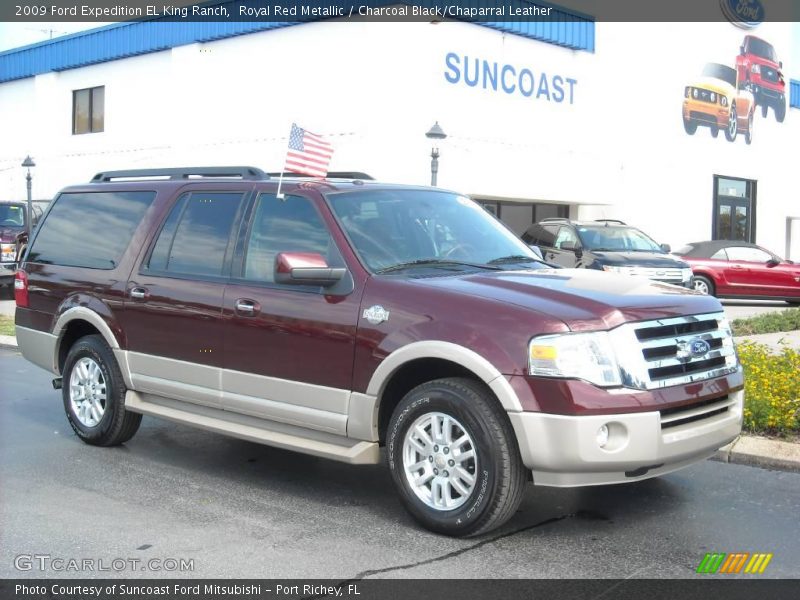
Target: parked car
x: 13, y: 236
x: 760, y: 72
x: 607, y: 245
x: 731, y: 269
x: 349, y: 315
x: 714, y: 100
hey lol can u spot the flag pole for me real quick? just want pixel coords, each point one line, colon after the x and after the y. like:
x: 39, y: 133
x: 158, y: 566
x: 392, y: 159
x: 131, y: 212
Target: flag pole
x: 279, y: 194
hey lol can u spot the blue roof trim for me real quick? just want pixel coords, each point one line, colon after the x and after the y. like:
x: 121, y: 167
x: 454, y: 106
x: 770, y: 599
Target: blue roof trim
x: 794, y: 93
x: 122, y: 40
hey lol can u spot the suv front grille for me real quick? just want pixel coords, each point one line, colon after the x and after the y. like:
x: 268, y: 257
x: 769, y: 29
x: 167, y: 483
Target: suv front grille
x: 658, y: 274
x: 675, y: 351
x: 768, y: 74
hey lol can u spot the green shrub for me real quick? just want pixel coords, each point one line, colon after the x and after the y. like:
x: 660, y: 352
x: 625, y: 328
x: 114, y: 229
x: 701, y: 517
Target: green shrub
x: 780, y: 320
x: 771, y: 389
x: 6, y: 325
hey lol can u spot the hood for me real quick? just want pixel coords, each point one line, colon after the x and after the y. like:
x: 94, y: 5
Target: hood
x: 583, y: 299
x: 640, y: 259
x: 10, y: 234
x: 715, y: 85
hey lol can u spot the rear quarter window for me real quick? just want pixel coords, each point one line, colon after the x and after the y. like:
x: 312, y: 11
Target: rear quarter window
x: 89, y: 229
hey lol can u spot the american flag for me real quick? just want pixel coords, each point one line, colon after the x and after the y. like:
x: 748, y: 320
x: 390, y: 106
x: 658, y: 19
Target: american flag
x: 308, y: 153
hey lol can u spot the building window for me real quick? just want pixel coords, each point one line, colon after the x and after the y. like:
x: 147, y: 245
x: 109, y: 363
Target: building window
x: 734, y: 216
x: 88, y: 110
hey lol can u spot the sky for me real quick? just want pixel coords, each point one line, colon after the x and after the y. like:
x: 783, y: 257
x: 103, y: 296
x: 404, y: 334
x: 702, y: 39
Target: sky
x: 13, y: 35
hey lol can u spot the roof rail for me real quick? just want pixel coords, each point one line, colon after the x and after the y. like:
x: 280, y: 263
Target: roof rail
x: 555, y: 220
x: 250, y: 173
x: 330, y: 175
x: 611, y: 221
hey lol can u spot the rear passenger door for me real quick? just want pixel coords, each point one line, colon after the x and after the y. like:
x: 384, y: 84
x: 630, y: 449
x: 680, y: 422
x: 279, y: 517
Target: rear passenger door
x: 288, y: 353
x: 173, y: 312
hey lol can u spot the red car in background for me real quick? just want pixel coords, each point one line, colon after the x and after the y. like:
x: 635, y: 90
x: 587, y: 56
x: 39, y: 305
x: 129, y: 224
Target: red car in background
x: 732, y: 269
x: 760, y: 71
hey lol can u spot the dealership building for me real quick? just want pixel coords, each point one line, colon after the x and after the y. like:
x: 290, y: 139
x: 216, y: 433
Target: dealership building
x: 565, y: 117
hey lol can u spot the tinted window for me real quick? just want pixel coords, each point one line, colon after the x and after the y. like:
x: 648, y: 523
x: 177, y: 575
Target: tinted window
x: 12, y: 215
x: 89, y: 230
x: 762, y: 49
x: 566, y: 235
x: 616, y: 239
x: 288, y: 225
x: 194, y: 238
x: 540, y: 236
x: 748, y: 254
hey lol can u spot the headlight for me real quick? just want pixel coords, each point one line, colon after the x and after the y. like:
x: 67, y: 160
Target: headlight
x: 8, y: 252
x: 613, y: 269
x: 588, y: 356
x: 687, y: 91
x: 723, y: 100
x: 755, y: 69
x: 712, y: 96
x: 695, y: 93
x: 686, y: 274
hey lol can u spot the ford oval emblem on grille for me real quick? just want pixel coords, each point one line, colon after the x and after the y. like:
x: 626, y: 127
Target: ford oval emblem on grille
x: 698, y: 348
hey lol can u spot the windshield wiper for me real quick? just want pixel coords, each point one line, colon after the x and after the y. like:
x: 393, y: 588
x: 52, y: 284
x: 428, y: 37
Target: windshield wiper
x: 435, y: 262
x: 513, y: 258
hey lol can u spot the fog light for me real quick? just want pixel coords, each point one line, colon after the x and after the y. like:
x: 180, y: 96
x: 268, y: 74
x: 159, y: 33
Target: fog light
x: 602, y: 436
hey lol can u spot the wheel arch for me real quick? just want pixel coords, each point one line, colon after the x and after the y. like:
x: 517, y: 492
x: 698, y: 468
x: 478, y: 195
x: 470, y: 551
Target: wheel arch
x: 74, y: 324
x: 419, y: 362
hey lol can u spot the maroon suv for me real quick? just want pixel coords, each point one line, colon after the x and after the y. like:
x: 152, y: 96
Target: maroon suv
x: 346, y: 315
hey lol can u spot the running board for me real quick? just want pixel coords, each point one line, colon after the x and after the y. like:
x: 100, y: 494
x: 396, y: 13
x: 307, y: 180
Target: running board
x: 270, y: 433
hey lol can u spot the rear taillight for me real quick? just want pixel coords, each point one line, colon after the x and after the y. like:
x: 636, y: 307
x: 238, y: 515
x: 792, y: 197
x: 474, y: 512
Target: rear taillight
x: 21, y: 289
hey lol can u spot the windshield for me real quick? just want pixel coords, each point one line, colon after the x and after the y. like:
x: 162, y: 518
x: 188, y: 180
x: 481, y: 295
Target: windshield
x: 616, y: 239
x: 390, y: 229
x: 12, y: 215
x: 722, y: 72
x: 762, y: 49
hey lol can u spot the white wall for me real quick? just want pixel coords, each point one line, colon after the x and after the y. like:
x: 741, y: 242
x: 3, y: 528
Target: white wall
x: 618, y: 150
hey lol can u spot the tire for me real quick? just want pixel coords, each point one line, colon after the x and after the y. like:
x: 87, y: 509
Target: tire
x: 714, y: 131
x: 90, y: 369
x: 748, y: 134
x: 703, y: 285
x: 764, y: 109
x: 733, y: 125
x: 689, y: 126
x: 464, y: 508
x: 780, y: 112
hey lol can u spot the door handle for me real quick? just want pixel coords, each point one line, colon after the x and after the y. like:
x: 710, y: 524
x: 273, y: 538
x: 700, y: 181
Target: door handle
x: 246, y: 307
x: 139, y: 293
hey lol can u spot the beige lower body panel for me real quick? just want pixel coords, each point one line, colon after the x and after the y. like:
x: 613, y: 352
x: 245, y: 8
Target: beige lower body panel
x: 562, y: 451
x: 280, y: 435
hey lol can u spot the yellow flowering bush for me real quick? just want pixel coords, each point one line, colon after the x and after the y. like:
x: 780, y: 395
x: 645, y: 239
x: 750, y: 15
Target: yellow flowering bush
x: 771, y: 389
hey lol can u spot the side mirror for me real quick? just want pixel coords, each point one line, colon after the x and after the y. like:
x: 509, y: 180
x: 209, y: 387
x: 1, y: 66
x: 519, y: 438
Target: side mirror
x: 741, y: 50
x: 305, y: 268
x: 666, y: 248
x: 780, y: 64
x: 773, y: 262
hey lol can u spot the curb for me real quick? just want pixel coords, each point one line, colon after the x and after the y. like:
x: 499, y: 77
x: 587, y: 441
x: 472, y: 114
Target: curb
x: 761, y: 452
x: 8, y: 342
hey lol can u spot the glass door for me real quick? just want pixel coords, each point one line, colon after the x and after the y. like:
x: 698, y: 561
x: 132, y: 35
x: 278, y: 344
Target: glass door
x: 734, y: 209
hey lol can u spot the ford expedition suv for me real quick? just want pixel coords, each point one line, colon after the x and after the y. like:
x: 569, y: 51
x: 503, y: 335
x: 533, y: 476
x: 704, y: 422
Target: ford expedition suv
x: 347, y: 315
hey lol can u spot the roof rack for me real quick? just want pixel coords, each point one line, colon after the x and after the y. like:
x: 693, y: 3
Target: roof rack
x: 617, y: 221
x: 250, y: 173
x: 555, y: 220
x: 330, y: 175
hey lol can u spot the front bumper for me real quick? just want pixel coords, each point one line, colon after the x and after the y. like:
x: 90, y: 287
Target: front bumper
x: 706, y: 113
x: 562, y: 451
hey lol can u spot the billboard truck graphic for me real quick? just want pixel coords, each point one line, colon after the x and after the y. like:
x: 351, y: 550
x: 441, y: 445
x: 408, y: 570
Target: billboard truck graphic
x: 737, y: 562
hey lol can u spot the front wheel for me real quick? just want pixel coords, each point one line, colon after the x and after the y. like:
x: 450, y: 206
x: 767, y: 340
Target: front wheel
x: 94, y: 394
x: 703, y: 285
x: 733, y: 125
x: 454, y: 458
x: 748, y: 134
x: 780, y: 112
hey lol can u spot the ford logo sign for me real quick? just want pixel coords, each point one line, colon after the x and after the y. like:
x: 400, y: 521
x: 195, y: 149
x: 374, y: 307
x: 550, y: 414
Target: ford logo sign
x: 746, y: 14
x: 698, y: 348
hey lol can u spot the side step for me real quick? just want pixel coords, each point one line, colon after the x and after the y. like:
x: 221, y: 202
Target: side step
x: 244, y: 427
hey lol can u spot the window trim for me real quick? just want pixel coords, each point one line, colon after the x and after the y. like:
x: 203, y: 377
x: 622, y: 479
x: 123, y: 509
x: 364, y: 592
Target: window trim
x: 90, y: 118
x: 144, y: 268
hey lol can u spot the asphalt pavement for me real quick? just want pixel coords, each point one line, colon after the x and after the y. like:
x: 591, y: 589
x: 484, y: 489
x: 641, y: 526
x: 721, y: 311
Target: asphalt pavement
x: 238, y: 509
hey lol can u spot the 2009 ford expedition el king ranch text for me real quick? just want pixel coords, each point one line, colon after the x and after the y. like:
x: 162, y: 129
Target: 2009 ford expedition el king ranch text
x: 347, y: 315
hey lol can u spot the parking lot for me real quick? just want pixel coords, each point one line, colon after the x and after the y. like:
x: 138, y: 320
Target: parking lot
x: 238, y: 509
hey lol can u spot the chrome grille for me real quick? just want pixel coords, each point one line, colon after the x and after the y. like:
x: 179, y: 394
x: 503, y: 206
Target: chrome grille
x: 667, y: 274
x: 675, y: 351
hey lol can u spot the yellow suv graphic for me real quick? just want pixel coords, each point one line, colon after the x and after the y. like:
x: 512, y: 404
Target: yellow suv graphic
x: 715, y: 101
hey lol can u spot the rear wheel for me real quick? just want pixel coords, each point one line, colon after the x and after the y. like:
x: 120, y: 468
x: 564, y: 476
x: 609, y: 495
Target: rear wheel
x: 94, y: 394
x: 780, y: 112
x: 454, y: 458
x: 748, y: 134
x: 703, y: 285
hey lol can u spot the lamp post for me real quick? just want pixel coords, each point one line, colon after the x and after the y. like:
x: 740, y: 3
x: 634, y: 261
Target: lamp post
x: 434, y: 134
x: 28, y: 163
